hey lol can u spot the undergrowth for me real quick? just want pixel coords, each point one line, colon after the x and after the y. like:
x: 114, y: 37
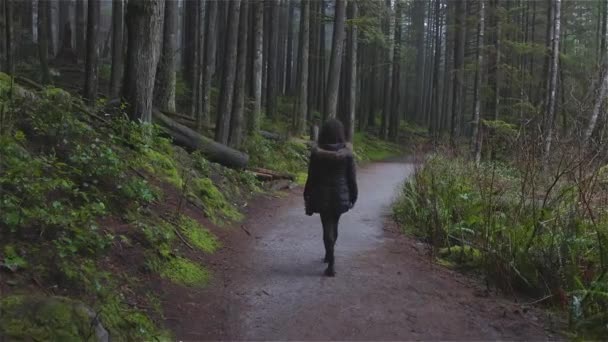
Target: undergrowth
x: 64, y: 175
x: 539, y: 232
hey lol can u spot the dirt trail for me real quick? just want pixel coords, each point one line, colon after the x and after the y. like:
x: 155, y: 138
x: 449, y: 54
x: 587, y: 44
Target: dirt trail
x: 268, y: 283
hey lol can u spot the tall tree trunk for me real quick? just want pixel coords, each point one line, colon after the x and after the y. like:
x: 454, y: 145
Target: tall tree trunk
x: 602, y: 92
x: 289, y: 61
x: 90, y: 82
x: 65, y: 22
x: 448, y: 64
x: 209, y: 63
x: 118, y: 60
x: 282, y: 46
x: 435, y: 111
x: 258, y: 45
x: 164, y: 88
x: 335, y: 62
x: 313, y: 56
x: 322, y: 69
x: 224, y: 111
x: 552, y: 89
x: 272, y: 86
x: 144, y: 25
x: 495, y: 79
x: 351, y: 82
x: 25, y: 11
x: 194, y: 77
x: 303, y: 67
x: 43, y: 49
x: 388, y: 72
x: 8, y: 36
x: 418, y: 13
x: 80, y: 28
x: 458, y: 93
x: 236, y: 121
x: 477, y: 132
x: 393, y: 123
x: 49, y: 29
x: 189, y: 53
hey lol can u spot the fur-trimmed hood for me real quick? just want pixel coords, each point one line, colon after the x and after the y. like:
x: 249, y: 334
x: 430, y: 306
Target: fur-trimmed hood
x: 333, y: 151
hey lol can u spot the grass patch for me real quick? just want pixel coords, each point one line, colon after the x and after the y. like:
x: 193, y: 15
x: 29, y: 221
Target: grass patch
x: 369, y: 148
x: 199, y: 236
x: 179, y: 270
x: 216, y: 206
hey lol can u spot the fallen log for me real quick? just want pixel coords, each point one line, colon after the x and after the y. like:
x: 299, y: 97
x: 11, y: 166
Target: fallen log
x: 191, y: 140
x: 274, y: 175
x: 264, y: 177
x: 181, y: 134
x: 271, y: 136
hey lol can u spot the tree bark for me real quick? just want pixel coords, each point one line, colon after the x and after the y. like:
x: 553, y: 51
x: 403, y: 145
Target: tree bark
x: 418, y: 27
x: 80, y: 28
x: 458, y: 84
x: 209, y: 63
x: 313, y: 56
x: 43, y: 49
x: 448, y: 64
x: 335, y: 62
x: 90, y: 83
x: 236, y: 121
x: 302, y: 79
x: 189, y: 53
x: 603, y: 87
x: 271, y: 85
x: 388, y: 72
x: 435, y: 111
x: 222, y: 126
x: 393, y: 122
x: 25, y: 12
x: 258, y: 45
x: 144, y: 24
x: 350, y: 117
x: 477, y: 112
x: 164, y: 88
x: 193, y: 68
x: 49, y: 29
x: 64, y: 22
x: 118, y: 63
x: 8, y: 35
x: 554, y: 70
x: 290, y: 38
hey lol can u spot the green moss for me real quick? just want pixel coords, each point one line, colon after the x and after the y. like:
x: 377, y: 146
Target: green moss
x: 454, y: 256
x: 44, y: 319
x: 162, y: 165
x: 215, y: 204
x: 127, y: 324
x: 5, y: 82
x: 301, y: 178
x: 370, y: 148
x: 199, y: 236
x: 180, y: 271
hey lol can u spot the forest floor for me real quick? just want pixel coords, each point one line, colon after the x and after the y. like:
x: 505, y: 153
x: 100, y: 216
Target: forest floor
x: 267, y: 281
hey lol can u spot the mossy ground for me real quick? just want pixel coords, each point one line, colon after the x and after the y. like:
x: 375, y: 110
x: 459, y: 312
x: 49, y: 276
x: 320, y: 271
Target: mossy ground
x: 40, y: 318
x: 77, y: 192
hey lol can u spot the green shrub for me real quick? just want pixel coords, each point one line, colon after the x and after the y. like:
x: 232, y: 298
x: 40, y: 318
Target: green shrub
x: 539, y: 239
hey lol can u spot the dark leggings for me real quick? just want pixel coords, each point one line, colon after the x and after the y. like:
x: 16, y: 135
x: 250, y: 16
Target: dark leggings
x: 330, y: 233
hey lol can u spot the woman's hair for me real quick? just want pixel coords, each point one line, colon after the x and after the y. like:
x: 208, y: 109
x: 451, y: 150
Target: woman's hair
x: 332, y: 132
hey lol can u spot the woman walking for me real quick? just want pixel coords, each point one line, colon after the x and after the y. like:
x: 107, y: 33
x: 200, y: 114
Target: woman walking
x: 331, y: 188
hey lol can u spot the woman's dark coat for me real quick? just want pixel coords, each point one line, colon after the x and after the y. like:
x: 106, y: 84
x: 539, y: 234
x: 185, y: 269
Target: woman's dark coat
x: 332, y: 184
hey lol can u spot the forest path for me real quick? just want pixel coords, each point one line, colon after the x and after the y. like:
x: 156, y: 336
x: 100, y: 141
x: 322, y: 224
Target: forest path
x: 268, y: 283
